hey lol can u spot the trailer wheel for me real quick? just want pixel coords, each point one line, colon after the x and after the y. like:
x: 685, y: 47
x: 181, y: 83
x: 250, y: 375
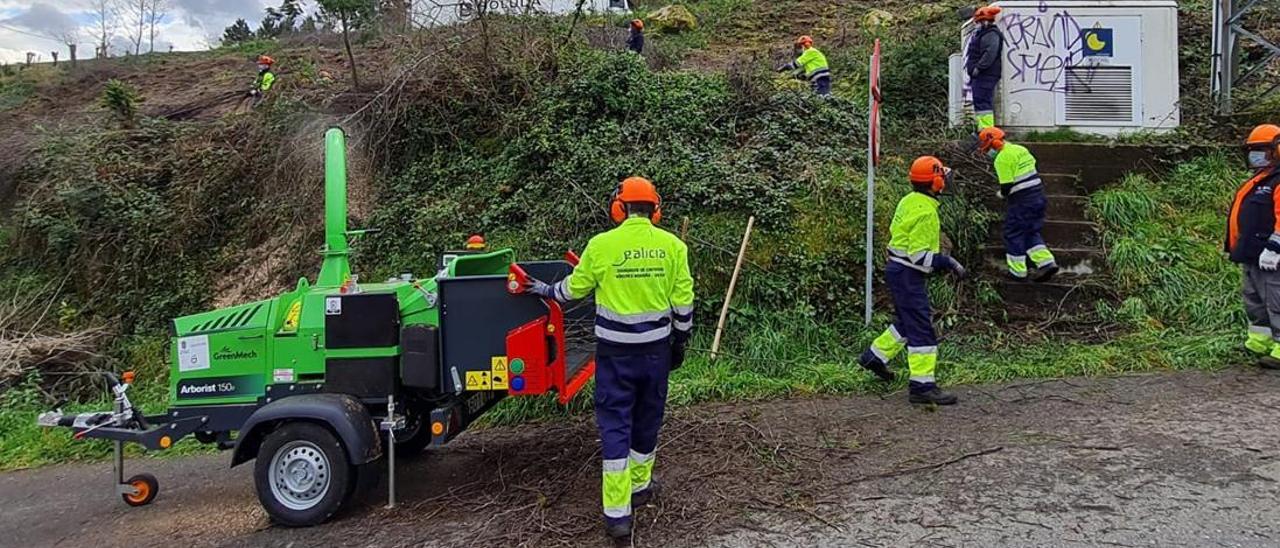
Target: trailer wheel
x: 302, y: 474
x: 145, y: 487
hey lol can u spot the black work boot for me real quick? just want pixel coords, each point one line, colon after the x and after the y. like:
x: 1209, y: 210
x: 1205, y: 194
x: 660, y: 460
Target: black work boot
x: 649, y: 494
x: 922, y: 393
x: 1045, y: 274
x: 1268, y: 362
x: 618, y: 530
x: 872, y: 363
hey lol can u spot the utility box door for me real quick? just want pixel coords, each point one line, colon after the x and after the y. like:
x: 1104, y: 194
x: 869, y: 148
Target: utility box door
x: 1101, y: 80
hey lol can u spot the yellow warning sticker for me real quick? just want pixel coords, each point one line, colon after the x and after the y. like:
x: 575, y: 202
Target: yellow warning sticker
x: 498, y: 372
x: 291, y: 319
x: 479, y: 380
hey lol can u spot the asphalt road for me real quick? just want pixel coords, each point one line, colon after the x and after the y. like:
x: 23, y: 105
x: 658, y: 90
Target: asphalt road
x: 1176, y: 459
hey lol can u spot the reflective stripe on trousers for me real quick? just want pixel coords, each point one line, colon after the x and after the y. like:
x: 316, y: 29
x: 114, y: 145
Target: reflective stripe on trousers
x: 616, y: 489
x: 1259, y: 340
x: 888, y: 344
x: 640, y: 466
x: 1017, y: 265
x: 922, y: 360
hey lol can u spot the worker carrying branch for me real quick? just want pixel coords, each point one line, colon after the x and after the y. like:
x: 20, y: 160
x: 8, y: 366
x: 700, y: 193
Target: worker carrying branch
x: 982, y: 64
x: 811, y: 65
x: 265, y: 79
x: 644, y: 313
x: 1253, y: 241
x: 1023, y: 192
x: 915, y: 253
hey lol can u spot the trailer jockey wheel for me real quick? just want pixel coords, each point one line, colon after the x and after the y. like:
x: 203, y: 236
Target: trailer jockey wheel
x: 302, y: 474
x: 145, y: 488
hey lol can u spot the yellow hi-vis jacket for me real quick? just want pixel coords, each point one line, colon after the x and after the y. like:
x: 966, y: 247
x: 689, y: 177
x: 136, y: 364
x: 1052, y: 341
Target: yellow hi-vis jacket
x: 640, y: 276
x: 915, y: 236
x: 1016, y: 169
x: 813, y: 63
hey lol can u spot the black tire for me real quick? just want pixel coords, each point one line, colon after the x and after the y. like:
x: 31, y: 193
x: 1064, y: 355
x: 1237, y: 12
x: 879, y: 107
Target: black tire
x: 147, y: 487
x: 302, y: 474
x: 416, y: 435
x: 366, y: 479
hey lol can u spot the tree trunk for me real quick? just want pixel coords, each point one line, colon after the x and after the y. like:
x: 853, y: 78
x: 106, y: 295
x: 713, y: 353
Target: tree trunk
x: 72, y: 47
x: 55, y: 58
x: 351, y: 58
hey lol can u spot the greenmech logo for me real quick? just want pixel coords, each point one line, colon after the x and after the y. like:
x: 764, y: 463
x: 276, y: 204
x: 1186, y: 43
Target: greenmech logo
x: 226, y: 353
x: 640, y: 253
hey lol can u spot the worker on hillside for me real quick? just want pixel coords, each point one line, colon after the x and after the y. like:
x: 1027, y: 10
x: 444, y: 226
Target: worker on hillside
x: 1023, y: 191
x: 811, y: 65
x: 635, y: 40
x: 266, y: 78
x: 644, y: 313
x: 1253, y: 241
x: 914, y: 253
x: 983, y: 64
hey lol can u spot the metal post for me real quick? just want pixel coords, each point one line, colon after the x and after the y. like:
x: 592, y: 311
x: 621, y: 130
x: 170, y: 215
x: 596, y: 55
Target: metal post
x: 1228, y: 31
x: 390, y: 425
x: 871, y: 205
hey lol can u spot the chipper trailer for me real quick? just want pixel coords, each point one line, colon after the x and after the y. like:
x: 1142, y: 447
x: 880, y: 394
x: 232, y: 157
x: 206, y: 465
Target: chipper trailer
x: 321, y: 382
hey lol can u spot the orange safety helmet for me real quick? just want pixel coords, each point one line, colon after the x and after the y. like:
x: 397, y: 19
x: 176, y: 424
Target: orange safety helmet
x: 266, y: 60
x: 989, y: 138
x: 476, y: 242
x: 928, y: 170
x: 804, y: 41
x: 986, y: 13
x: 637, y: 24
x: 1264, y: 138
x: 634, y: 190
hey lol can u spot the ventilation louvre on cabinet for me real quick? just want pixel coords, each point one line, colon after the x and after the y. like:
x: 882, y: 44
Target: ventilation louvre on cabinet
x: 1099, y: 94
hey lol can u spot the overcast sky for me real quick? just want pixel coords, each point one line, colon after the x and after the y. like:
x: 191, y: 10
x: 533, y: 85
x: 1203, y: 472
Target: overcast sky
x: 31, y: 25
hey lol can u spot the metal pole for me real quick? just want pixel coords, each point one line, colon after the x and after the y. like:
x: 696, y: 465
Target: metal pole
x: 390, y: 425
x: 871, y: 203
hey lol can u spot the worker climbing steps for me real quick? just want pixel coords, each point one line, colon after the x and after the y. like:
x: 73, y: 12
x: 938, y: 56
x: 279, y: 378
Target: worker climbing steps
x: 1074, y: 238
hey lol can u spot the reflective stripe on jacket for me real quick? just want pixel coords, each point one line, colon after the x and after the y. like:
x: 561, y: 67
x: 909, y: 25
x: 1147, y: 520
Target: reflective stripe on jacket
x: 813, y: 63
x: 640, y: 276
x: 1016, y: 169
x: 915, y: 236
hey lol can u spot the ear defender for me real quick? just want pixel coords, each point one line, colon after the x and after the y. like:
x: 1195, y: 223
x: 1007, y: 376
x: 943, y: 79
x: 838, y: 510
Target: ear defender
x: 634, y: 189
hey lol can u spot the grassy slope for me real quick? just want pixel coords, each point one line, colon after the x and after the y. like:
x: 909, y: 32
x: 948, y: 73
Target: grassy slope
x: 724, y: 146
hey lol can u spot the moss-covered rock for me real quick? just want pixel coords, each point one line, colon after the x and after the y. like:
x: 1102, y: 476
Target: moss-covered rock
x: 673, y: 18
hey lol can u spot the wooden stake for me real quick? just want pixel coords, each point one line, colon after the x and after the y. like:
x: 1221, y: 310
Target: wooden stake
x: 684, y: 230
x: 733, y: 281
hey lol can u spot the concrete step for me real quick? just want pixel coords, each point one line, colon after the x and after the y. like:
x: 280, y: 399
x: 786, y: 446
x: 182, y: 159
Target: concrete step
x: 1028, y: 300
x: 1066, y: 207
x: 1057, y: 182
x: 1057, y: 234
x: 1060, y: 207
x: 1075, y: 262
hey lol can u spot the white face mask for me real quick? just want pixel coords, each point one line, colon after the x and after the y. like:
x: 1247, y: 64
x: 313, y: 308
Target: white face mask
x: 1258, y: 159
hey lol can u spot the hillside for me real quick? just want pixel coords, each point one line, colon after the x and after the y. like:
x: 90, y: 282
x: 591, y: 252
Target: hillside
x: 520, y: 128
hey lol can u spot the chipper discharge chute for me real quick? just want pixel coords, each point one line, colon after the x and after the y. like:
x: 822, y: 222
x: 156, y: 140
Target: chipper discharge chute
x: 313, y: 383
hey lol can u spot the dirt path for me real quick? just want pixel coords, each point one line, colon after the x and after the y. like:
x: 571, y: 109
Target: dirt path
x: 1185, y: 459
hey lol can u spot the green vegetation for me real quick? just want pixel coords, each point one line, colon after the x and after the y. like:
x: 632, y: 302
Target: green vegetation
x: 525, y: 141
x: 121, y: 100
